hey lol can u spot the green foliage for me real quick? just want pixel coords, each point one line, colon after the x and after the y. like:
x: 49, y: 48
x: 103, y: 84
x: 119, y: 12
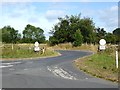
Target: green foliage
x: 66, y: 28
x: 87, y: 29
x: 9, y: 35
x: 116, y: 32
x: 110, y: 38
x: 62, y: 32
x: 32, y: 34
x: 53, y: 41
x: 100, y: 33
x: 78, y: 38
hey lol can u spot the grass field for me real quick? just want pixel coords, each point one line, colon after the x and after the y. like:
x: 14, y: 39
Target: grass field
x: 25, y: 51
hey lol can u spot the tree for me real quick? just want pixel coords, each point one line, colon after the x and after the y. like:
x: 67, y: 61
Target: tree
x: 87, y: 29
x: 116, y: 32
x: 78, y: 38
x: 65, y: 29
x: 110, y: 38
x: 32, y: 34
x: 9, y: 34
x: 100, y: 33
x: 53, y: 41
x: 19, y: 38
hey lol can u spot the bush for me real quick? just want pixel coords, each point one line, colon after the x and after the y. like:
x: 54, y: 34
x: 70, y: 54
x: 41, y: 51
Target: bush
x: 53, y: 41
x: 78, y: 38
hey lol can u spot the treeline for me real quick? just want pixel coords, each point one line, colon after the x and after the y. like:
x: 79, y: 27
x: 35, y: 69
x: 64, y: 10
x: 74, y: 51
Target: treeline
x: 30, y: 35
x: 73, y: 29
x: 79, y: 30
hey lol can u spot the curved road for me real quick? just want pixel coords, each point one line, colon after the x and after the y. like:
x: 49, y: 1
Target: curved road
x: 54, y: 72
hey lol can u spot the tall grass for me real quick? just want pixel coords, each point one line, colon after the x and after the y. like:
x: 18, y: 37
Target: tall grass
x: 24, y: 51
x: 69, y: 46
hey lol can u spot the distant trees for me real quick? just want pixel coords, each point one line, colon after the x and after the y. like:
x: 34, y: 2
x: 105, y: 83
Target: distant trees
x: 73, y: 29
x: 32, y: 34
x: 10, y: 35
x: 79, y: 30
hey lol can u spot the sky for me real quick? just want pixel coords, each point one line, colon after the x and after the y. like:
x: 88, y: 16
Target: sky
x: 45, y: 14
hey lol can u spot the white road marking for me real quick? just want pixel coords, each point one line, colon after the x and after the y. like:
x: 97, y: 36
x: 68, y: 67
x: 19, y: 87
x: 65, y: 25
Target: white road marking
x: 62, y: 73
x: 6, y: 66
x: 3, y: 65
x: 6, y: 63
x: 12, y: 63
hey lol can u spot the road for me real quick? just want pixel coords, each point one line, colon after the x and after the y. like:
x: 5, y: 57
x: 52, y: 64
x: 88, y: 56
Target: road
x: 53, y: 72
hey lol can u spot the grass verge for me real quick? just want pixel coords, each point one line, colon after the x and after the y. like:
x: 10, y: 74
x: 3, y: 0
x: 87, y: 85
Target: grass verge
x: 69, y: 46
x: 101, y: 64
x: 25, y: 51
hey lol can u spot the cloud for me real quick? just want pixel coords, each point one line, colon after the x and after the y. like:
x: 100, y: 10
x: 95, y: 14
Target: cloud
x: 114, y: 8
x: 18, y: 15
x: 54, y: 14
x: 109, y: 17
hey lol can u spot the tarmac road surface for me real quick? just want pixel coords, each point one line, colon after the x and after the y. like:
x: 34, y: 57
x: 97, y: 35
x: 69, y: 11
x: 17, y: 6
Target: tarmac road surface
x: 53, y: 72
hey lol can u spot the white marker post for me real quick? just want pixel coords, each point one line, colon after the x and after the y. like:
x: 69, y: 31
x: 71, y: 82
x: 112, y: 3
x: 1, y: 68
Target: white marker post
x: 116, y: 59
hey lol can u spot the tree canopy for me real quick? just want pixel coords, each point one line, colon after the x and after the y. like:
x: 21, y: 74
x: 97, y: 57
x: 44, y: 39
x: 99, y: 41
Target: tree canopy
x: 116, y: 32
x: 9, y: 35
x: 66, y: 28
x: 32, y: 34
x: 73, y: 29
x: 78, y: 38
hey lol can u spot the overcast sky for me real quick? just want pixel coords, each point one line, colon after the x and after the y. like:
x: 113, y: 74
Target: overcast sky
x: 45, y: 14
